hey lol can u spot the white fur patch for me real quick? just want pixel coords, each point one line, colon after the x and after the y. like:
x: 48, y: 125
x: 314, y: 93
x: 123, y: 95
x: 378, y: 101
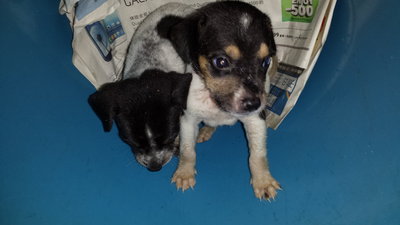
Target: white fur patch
x: 245, y: 20
x: 237, y: 98
x: 201, y: 107
x: 149, y: 135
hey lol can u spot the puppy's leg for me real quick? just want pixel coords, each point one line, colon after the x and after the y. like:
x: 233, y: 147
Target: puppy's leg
x: 264, y: 184
x: 184, y: 176
x: 205, y: 134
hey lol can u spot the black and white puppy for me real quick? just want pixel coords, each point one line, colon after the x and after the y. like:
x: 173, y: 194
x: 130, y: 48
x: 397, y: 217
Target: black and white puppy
x: 229, y: 46
x: 146, y: 111
x: 149, y: 102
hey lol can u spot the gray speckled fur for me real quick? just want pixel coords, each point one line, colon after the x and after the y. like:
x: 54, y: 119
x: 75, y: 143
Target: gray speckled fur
x: 148, y: 50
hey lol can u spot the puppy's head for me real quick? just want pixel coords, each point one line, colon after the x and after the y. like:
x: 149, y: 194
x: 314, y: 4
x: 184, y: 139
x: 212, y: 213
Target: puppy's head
x: 230, y: 45
x: 147, y: 112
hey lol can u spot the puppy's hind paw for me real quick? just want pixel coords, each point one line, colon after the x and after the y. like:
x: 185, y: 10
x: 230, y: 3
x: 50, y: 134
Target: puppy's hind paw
x: 184, y: 179
x: 205, y: 134
x: 265, y: 188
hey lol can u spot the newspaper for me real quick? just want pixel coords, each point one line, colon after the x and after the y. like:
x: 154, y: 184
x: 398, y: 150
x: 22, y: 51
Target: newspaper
x: 102, y: 30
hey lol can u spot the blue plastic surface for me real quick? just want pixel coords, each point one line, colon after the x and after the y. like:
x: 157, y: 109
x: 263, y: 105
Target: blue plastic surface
x: 336, y: 155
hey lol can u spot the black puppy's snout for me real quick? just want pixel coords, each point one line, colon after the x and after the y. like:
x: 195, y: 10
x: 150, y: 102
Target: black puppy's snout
x: 251, y: 104
x: 154, y: 167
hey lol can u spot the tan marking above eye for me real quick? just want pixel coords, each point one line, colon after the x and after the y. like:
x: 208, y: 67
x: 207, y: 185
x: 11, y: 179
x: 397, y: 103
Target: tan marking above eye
x: 233, y: 52
x: 263, y: 51
x: 203, y: 62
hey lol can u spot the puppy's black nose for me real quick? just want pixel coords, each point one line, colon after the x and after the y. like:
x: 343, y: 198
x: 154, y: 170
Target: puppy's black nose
x: 251, y: 104
x: 154, y: 167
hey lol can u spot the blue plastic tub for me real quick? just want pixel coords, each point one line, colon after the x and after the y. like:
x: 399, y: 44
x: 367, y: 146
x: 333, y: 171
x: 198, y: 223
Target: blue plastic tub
x: 336, y: 155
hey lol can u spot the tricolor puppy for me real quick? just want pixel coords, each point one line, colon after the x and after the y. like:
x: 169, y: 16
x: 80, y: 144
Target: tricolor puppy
x: 146, y: 111
x: 229, y: 46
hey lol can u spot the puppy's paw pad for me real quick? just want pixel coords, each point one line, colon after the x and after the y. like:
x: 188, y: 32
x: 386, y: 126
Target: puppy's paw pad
x: 184, y: 179
x: 265, y: 187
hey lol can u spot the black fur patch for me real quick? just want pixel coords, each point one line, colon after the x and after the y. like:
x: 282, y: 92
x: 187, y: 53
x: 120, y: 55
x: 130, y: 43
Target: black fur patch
x: 156, y: 100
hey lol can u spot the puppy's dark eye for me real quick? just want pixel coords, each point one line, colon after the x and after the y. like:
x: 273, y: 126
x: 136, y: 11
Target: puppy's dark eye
x: 220, y: 62
x: 266, y: 62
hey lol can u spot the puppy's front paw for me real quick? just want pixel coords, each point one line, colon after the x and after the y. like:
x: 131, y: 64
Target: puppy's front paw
x: 184, y: 178
x: 265, y: 187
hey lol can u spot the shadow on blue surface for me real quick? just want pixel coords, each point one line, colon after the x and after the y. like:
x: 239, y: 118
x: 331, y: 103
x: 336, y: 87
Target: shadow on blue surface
x: 336, y: 155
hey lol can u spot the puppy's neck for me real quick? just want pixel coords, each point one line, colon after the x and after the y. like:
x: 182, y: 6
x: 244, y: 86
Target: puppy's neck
x: 200, y: 91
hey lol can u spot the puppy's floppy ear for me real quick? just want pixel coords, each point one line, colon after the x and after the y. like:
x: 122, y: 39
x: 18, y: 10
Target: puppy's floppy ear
x: 165, y: 24
x: 181, y: 32
x: 272, y: 45
x: 104, y: 105
x: 181, y: 88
